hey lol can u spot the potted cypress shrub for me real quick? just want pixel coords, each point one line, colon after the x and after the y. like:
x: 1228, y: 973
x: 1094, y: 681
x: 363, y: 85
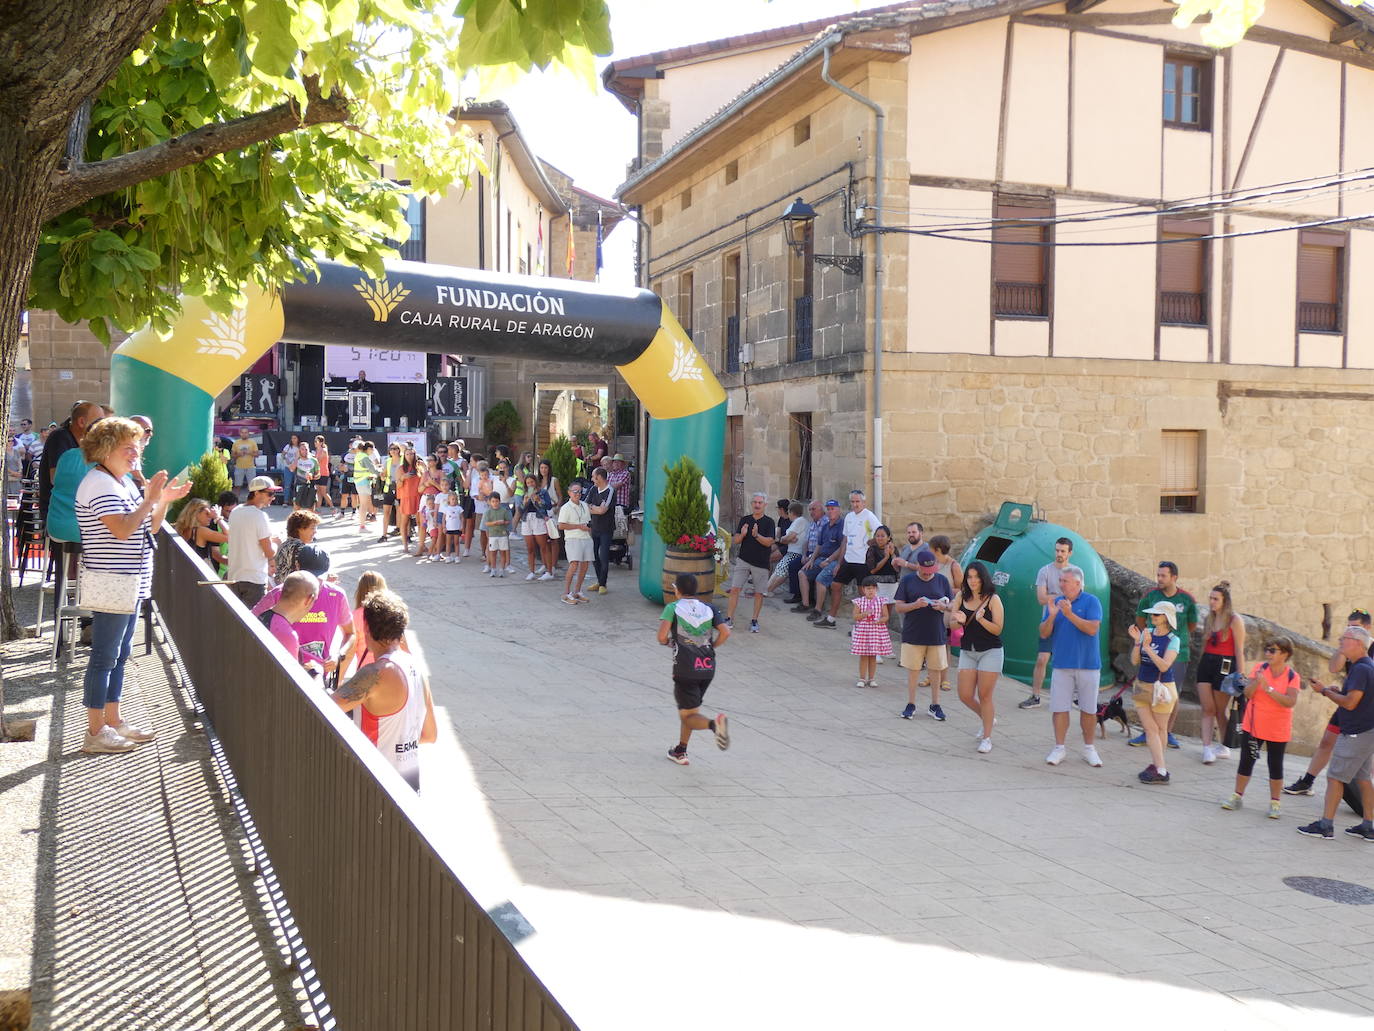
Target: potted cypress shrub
x: 684, y: 526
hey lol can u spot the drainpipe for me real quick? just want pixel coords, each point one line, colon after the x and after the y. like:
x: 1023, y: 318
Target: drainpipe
x: 878, y: 154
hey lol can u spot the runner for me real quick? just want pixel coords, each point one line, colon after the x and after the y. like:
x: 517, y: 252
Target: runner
x: 322, y: 477
x: 686, y: 626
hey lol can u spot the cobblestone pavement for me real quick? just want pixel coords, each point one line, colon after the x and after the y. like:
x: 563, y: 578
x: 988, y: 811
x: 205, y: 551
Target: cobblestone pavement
x: 841, y: 867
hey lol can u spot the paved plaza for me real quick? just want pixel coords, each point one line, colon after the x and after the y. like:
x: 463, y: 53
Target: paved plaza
x: 839, y: 866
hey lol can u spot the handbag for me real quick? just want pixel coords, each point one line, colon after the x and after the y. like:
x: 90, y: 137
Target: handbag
x: 692, y: 662
x: 956, y: 637
x: 104, y: 591
x: 551, y: 522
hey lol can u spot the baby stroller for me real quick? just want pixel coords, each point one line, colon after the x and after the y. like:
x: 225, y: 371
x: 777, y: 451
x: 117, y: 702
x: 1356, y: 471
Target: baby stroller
x: 620, y: 538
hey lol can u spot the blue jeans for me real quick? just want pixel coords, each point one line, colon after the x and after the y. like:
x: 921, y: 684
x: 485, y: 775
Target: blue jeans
x: 288, y: 483
x: 601, y: 555
x: 112, y: 636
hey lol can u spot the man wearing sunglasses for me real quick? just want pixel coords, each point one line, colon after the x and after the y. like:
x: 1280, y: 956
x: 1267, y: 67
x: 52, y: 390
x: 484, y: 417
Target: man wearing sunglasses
x: 1337, y: 664
x: 1353, y: 753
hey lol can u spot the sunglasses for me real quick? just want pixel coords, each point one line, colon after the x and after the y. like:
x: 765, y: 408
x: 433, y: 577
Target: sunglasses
x: 1269, y: 649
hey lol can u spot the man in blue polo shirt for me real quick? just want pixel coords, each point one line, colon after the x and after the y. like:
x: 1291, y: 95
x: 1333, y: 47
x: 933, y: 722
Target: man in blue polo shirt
x: 819, y: 570
x: 1074, y: 619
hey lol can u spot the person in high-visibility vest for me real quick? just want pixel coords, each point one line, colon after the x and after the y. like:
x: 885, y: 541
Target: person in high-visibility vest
x: 393, y: 462
x: 364, y: 476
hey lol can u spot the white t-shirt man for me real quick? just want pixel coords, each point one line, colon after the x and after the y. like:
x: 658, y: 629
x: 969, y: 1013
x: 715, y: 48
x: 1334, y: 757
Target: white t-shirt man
x: 575, y: 512
x: 798, y: 527
x: 248, y: 526
x: 858, y: 531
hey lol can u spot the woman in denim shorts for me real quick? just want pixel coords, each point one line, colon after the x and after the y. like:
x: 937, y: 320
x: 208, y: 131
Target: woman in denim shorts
x: 981, y: 615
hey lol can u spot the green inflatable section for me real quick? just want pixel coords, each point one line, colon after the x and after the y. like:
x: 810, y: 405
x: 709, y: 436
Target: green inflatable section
x: 172, y: 403
x: 702, y: 436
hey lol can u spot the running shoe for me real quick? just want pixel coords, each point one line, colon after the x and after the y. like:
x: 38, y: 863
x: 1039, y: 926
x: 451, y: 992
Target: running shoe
x: 1361, y: 830
x: 581, y: 598
x: 1138, y: 741
x: 1056, y: 755
x: 135, y: 733
x: 909, y: 712
x: 1033, y: 702
x: 1153, y: 776
x: 1301, y: 786
x: 825, y: 624
x: 1091, y: 757
x: 1221, y: 751
x: 861, y: 683
x: 678, y: 753
x: 568, y: 599
x: 107, y: 740
x: 1173, y: 742
x: 985, y: 745
x: 1274, y: 809
x: 531, y: 576
x: 753, y: 624
x: 1317, y: 829
x: 1233, y: 803
x: 729, y: 624
x: 813, y: 616
x: 936, y: 713
x: 722, y: 732
x: 545, y: 576
x: 801, y: 608
x: 1208, y: 757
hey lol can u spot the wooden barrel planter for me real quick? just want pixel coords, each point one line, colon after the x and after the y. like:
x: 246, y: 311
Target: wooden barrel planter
x: 701, y: 565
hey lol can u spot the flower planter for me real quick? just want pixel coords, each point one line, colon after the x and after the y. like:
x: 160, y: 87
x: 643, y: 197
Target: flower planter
x: 702, y: 565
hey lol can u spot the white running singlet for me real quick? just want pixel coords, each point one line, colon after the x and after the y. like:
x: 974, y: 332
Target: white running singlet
x: 397, y: 734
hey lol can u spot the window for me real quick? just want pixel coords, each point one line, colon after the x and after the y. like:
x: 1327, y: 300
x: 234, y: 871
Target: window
x: 1183, y: 272
x: 1187, y: 93
x: 686, y: 198
x: 1181, y: 471
x: 801, y: 455
x: 414, y: 247
x: 686, y: 302
x: 1321, y: 281
x: 801, y: 132
x: 731, y: 172
x: 801, y: 269
x: 1021, y: 258
x: 731, y: 295
x: 658, y: 214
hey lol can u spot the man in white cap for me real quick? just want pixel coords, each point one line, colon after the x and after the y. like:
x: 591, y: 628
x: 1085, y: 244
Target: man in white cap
x: 251, y: 548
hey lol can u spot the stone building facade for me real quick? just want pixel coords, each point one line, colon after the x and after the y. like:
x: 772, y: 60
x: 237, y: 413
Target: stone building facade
x: 1224, y: 438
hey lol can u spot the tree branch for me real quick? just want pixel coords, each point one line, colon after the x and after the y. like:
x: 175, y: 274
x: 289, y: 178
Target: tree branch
x: 83, y: 182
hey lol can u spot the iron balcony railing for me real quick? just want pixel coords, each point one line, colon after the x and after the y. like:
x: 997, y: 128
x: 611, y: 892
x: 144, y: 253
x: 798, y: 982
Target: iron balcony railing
x: 801, y: 329
x: 732, y: 344
x: 1026, y: 299
x: 1316, y: 317
x: 1182, y: 309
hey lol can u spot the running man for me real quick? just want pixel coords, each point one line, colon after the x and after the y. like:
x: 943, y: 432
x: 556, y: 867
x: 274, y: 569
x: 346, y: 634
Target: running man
x: 686, y: 625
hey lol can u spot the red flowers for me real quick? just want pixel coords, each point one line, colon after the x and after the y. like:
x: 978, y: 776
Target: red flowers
x: 695, y: 542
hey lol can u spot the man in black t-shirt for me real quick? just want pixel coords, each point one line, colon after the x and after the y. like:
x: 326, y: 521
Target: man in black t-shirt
x: 753, y: 539
x: 601, y: 502
x: 59, y: 442
x: 1353, y: 755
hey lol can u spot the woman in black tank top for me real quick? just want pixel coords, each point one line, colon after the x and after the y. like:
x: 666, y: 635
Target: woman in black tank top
x: 199, y: 526
x: 981, y: 615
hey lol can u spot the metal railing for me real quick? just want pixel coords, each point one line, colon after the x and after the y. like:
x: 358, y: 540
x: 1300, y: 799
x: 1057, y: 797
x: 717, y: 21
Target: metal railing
x: 1316, y: 317
x: 801, y: 329
x: 1182, y: 309
x: 394, y: 937
x: 1019, y: 299
x: 732, y: 344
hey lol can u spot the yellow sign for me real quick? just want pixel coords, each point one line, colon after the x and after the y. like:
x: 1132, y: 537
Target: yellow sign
x: 670, y: 377
x: 381, y: 298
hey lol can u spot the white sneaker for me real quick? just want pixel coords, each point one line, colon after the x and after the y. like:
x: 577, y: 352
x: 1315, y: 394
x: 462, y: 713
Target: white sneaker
x: 568, y: 599
x: 1221, y: 752
x: 1209, y: 755
x: 486, y: 567
x: 135, y: 733
x: 540, y: 570
x: 546, y: 576
x: 491, y: 573
x: 106, y: 740
x: 1056, y: 755
x: 531, y: 576
x: 985, y: 745
x: 1090, y: 756
x: 861, y: 683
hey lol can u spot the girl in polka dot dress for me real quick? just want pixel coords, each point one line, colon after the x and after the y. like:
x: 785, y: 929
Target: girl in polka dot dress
x: 870, y: 637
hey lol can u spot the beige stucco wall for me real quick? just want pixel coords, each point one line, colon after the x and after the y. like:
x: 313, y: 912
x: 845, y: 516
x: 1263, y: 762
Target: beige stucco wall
x: 955, y: 89
x: 1037, y: 106
x: 1104, y: 297
x: 1299, y: 134
x: 696, y: 90
x: 1116, y: 114
x: 1264, y: 315
x: 948, y: 298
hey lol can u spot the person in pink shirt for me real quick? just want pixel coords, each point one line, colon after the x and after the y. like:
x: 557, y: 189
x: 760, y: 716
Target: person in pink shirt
x: 294, y: 599
x: 326, y: 630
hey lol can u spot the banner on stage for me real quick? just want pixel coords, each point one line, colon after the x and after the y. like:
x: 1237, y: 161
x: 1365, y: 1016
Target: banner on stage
x: 381, y: 366
x: 448, y: 397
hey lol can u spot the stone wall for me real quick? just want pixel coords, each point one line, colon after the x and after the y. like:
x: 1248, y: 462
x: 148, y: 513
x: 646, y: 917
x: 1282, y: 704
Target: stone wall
x: 68, y: 364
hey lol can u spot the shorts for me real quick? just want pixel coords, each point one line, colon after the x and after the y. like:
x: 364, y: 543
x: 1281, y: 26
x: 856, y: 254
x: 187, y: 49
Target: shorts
x: 578, y: 549
x: 1209, y: 668
x: 454, y: 533
x: 785, y: 564
x: 1332, y: 727
x: 501, y: 543
x: 742, y: 572
x: 1043, y: 648
x: 1351, y: 758
x: 346, y: 488
x: 1066, y: 685
x: 934, y: 657
x: 534, y: 526
x: 469, y: 508
x: 849, y: 572
x: 821, y: 576
x: 389, y: 497
x: 689, y: 695
x: 989, y: 661
x: 1144, y: 699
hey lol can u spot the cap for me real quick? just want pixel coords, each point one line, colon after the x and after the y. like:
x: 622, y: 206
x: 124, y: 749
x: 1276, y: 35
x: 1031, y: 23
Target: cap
x: 312, y: 558
x: 832, y: 503
x: 258, y: 483
x: 925, y: 558
x: 1165, y: 608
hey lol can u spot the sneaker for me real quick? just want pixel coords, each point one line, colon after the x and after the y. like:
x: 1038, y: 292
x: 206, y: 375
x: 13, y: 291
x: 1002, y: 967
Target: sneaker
x: 861, y: 683
x: 813, y: 616
x: 801, y: 608
x: 1033, y: 702
x: 936, y: 713
x: 1153, y: 776
x: 985, y: 745
x: 486, y: 567
x: 753, y: 626
x: 825, y: 624
x: 1361, y: 830
x: 531, y: 576
x: 106, y: 740
x: 1090, y: 756
x: 1274, y: 808
x: 872, y: 683
x: 678, y: 753
x: 1221, y: 751
x: 1209, y: 756
x: 1233, y: 803
x: 1138, y: 741
x: 1317, y: 829
x: 791, y: 601
x: 601, y: 589
x: 581, y: 598
x: 1173, y: 742
x: 545, y: 576
x: 501, y: 574
x: 135, y: 733
x: 908, y: 712
x: 1056, y: 755
x: 1301, y: 786
x: 729, y: 624
x: 492, y: 573
x: 1146, y: 772
x: 540, y: 570
x: 722, y: 732
x: 568, y: 599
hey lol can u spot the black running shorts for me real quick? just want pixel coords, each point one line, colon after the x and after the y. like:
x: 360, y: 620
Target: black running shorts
x: 689, y: 695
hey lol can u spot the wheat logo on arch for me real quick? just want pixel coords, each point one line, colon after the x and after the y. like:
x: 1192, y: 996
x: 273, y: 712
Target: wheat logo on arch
x: 225, y: 335
x: 381, y: 297
x: 686, y: 364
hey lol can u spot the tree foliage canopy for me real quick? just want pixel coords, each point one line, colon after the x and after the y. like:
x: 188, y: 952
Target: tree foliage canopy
x: 245, y: 137
x: 1229, y: 18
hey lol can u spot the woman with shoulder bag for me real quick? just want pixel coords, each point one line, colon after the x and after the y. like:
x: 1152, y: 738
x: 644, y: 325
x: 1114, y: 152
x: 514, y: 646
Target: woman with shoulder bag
x: 1223, y: 649
x: 1271, y: 693
x: 534, y: 524
x: 116, y: 570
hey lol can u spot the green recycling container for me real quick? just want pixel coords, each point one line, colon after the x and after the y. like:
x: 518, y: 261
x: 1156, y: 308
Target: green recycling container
x: 1013, y: 549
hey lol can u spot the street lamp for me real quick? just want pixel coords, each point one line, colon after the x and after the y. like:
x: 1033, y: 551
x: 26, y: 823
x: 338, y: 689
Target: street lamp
x: 797, y: 220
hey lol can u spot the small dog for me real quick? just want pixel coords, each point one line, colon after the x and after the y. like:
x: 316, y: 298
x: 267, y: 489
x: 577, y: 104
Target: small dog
x: 1114, y: 709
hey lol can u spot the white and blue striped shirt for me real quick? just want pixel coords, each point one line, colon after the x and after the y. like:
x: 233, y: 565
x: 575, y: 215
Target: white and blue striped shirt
x: 100, y: 494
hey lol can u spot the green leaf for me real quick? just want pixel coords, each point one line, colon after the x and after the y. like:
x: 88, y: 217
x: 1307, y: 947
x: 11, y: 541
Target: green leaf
x: 269, y: 24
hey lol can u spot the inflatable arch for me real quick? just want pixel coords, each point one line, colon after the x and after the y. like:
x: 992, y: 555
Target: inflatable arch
x: 175, y: 377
